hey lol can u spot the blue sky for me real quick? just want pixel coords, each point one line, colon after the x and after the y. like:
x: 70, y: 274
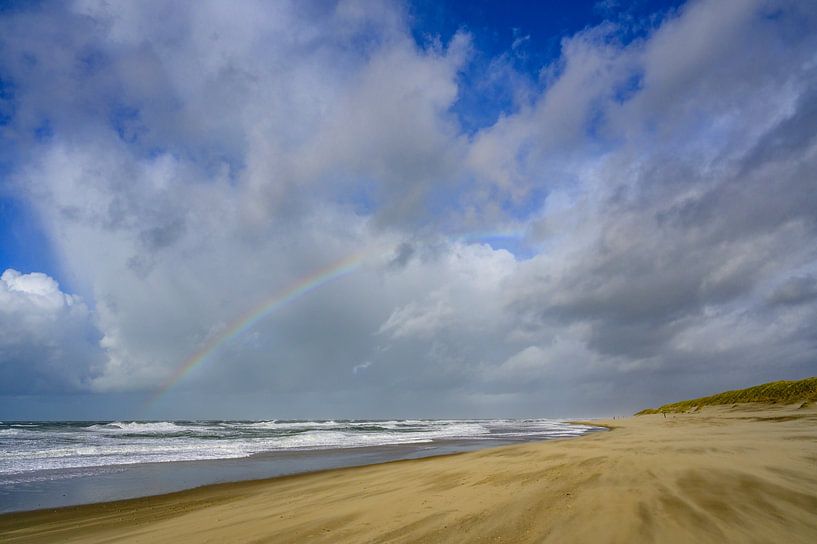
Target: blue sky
x: 564, y: 208
x: 527, y: 34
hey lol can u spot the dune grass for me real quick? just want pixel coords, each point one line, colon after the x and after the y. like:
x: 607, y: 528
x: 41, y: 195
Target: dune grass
x: 782, y: 392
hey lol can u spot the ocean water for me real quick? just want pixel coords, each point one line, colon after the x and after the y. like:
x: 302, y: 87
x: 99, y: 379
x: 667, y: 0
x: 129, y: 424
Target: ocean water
x: 46, y: 464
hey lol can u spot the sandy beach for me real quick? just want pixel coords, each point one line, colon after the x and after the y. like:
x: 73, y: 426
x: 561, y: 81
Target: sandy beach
x: 745, y: 473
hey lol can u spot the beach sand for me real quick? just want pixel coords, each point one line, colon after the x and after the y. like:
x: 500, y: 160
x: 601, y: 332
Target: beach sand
x: 725, y: 474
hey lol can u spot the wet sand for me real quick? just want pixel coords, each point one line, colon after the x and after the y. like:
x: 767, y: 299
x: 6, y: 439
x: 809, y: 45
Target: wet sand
x: 737, y: 474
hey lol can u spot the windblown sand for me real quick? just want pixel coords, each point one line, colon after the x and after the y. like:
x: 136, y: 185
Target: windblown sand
x: 743, y: 474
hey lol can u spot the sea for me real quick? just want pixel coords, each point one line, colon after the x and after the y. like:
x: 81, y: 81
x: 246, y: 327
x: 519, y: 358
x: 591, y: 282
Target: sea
x: 53, y: 464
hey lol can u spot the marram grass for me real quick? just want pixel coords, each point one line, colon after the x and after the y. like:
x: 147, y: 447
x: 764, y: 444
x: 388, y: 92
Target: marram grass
x: 782, y: 392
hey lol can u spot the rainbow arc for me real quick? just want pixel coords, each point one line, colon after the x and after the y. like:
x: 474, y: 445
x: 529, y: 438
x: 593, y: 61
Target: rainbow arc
x: 247, y: 320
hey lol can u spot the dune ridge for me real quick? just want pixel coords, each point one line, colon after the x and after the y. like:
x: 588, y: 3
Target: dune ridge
x: 783, y: 392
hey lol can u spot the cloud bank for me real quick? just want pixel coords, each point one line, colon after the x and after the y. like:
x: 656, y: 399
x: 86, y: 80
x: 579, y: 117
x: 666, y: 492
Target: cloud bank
x: 658, y: 181
x: 47, y: 338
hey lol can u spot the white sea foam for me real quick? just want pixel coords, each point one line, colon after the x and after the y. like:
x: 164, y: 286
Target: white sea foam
x: 135, y: 427
x: 65, y: 446
x: 274, y: 424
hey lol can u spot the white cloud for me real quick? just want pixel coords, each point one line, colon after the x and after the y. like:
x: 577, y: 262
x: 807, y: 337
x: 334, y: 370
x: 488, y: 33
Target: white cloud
x: 46, y: 336
x: 415, y: 319
x: 35, y: 289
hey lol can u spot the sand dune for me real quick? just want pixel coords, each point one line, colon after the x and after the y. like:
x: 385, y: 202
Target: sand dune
x: 741, y: 474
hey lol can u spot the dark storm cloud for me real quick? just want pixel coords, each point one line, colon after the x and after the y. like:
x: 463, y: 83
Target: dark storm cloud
x: 799, y: 290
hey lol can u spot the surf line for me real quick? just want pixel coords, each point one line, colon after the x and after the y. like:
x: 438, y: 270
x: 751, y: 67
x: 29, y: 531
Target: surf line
x: 245, y: 321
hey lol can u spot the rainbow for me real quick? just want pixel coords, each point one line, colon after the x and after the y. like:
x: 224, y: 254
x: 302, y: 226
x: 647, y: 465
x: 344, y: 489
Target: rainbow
x: 279, y: 299
x: 246, y: 321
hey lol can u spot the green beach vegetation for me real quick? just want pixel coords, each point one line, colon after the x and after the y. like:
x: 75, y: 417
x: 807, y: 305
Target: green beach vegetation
x: 780, y: 392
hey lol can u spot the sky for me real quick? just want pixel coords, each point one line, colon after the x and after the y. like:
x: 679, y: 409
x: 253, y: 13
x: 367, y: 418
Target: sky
x: 351, y: 209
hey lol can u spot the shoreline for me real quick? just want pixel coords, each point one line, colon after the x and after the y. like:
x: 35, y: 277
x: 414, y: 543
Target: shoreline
x: 221, y: 486
x: 361, y: 453
x: 57, y: 488
x: 667, y: 480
